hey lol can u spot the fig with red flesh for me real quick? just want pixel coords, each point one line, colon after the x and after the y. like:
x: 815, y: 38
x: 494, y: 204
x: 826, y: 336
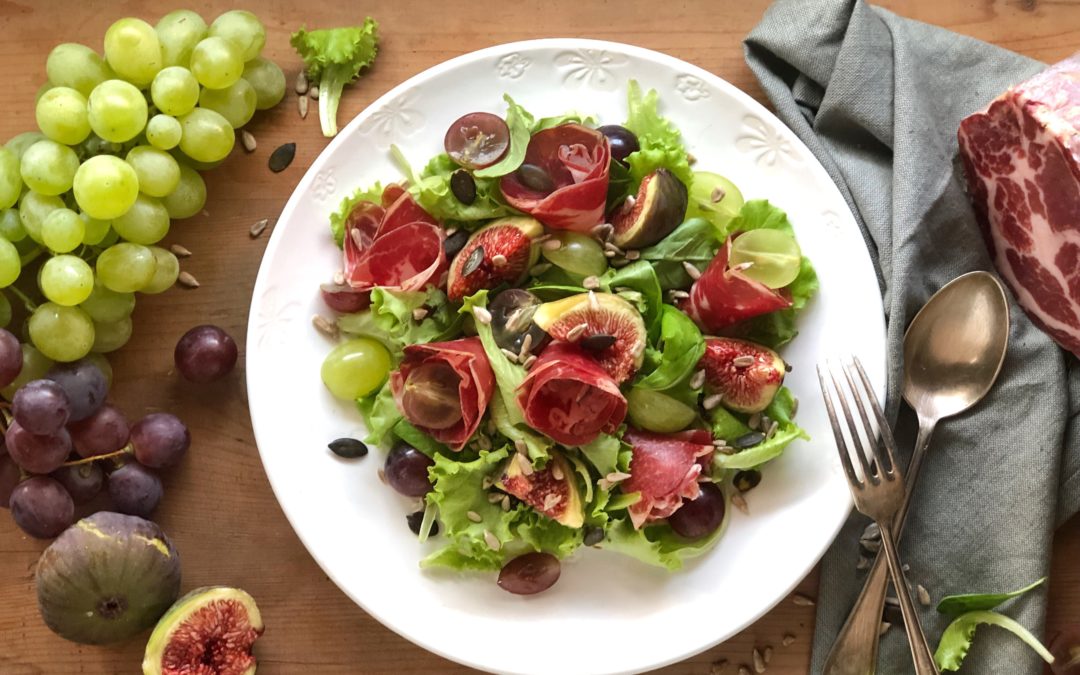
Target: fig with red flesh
x: 613, y: 334
x: 552, y: 490
x: 660, y: 206
x: 107, y: 578
x: 745, y: 374
x: 499, y: 253
x: 209, y: 630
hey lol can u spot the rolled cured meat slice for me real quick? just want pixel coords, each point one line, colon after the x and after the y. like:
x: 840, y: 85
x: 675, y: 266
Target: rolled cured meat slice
x: 664, y: 469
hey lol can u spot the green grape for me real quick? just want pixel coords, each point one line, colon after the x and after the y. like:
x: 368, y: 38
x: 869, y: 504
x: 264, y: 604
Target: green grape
x: 5, y: 311
x: 179, y: 32
x: 355, y: 368
x: 61, y: 115
x: 62, y: 230
x: 77, y: 66
x: 108, y: 337
x: 107, y: 306
x: 42, y: 90
x: 48, y: 167
x: 105, y: 187
x: 34, y: 366
x: 243, y: 29
x: 189, y: 196
x: 207, y: 136
x: 10, y: 263
x: 19, y: 144
x: 175, y: 91
x: 156, y: 169
x: 11, y: 183
x: 772, y: 257
x: 168, y: 268
x: 146, y: 222
x: 714, y: 198
x: 216, y: 62
x: 656, y: 411
x: 133, y: 51
x: 268, y: 81
x: 94, y: 230
x: 34, y: 207
x: 117, y: 111
x: 61, y: 333
x: 103, y: 365
x: 11, y: 227
x: 126, y: 267
x: 66, y: 280
x: 577, y: 254
x: 163, y: 132
x: 236, y: 103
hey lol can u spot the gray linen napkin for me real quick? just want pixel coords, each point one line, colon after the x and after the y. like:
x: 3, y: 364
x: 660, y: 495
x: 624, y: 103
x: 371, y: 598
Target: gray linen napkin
x: 878, y: 99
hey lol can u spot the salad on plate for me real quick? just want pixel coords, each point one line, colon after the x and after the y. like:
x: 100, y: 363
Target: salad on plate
x: 565, y: 334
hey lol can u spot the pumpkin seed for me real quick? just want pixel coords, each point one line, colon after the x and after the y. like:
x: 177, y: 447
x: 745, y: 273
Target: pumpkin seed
x: 535, y: 178
x: 472, y: 263
x: 463, y: 186
x: 325, y: 326
x: 282, y: 157
x: 747, y: 480
x: 748, y: 440
x: 593, y: 535
x: 415, y: 520
x: 455, y: 242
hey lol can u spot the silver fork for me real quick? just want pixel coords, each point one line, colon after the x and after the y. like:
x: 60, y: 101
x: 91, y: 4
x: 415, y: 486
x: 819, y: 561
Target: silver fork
x: 879, y: 493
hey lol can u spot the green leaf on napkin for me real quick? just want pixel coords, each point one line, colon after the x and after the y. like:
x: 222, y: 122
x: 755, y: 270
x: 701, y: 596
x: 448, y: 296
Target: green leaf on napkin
x: 969, y: 602
x: 956, y: 640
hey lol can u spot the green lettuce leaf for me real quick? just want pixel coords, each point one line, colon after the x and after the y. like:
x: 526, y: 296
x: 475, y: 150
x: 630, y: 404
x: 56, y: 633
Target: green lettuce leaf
x: 780, y: 410
x: 958, y: 604
x: 431, y: 189
x: 418, y: 439
x: 660, y: 141
x: 682, y: 348
x: 381, y: 415
x: 604, y: 453
x: 338, y: 218
x: 658, y: 545
x: 956, y: 640
x: 333, y: 58
x: 390, y: 319
x: 541, y: 533
x: 696, y: 241
x: 565, y: 118
x: 519, y: 121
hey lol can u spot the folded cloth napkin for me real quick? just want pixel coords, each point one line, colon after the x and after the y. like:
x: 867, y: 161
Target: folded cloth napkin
x: 878, y: 99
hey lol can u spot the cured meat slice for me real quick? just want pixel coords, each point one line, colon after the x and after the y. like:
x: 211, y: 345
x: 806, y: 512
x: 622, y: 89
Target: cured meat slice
x: 399, y: 247
x: 477, y: 382
x: 577, y: 159
x: 1022, y: 161
x: 361, y: 227
x: 402, y: 211
x: 724, y: 296
x: 664, y: 469
x: 569, y: 397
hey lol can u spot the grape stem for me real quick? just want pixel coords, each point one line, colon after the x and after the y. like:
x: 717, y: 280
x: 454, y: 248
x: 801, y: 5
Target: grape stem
x: 29, y: 304
x: 126, y: 450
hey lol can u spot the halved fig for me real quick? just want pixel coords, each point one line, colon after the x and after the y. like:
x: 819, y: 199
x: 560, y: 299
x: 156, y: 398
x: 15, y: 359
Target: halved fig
x: 500, y: 252
x: 583, y: 318
x: 745, y: 374
x: 209, y: 630
x: 660, y: 206
x: 552, y: 491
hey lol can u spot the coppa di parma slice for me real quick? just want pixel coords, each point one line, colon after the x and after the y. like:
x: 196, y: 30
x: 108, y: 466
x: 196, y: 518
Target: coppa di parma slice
x: 724, y: 296
x: 563, y: 182
x: 443, y: 388
x: 664, y: 469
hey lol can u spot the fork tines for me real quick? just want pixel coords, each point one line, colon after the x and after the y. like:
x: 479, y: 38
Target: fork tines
x: 880, y: 463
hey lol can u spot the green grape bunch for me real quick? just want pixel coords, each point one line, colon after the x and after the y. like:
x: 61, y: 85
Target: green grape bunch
x: 86, y: 200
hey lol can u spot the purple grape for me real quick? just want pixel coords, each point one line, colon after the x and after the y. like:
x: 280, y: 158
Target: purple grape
x: 160, y: 440
x: 42, y: 507
x: 407, y: 471
x: 82, y: 481
x: 10, y: 358
x: 623, y: 141
x: 702, y: 516
x: 84, y: 384
x: 204, y: 354
x: 529, y: 573
x: 10, y: 475
x: 37, y: 453
x: 103, y: 432
x: 135, y: 490
x: 41, y: 407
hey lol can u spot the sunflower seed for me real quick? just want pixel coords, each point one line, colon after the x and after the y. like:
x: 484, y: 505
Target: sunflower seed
x: 712, y: 401
x: 609, y: 254
x: 524, y: 465
x: 505, y: 503
x: 594, y: 302
x: 616, y: 477
x: 302, y: 106
x: 509, y: 354
x: 924, y: 595
x: 483, y: 442
x: 537, y: 270
x: 419, y: 314
x: 698, y: 380
x: 357, y: 238
x: 603, y: 231
x: 492, y: 541
x: 301, y: 86
x: 487, y: 482
x: 802, y: 600
x: 608, y: 246
x: 472, y: 263
x: 248, y: 140
x: 551, y: 245
x: 591, y: 283
x: 773, y: 426
x: 694, y: 272
x: 679, y: 295
x: 718, y: 667
x: 767, y: 654
x: 787, y: 640
x: 313, y: 92
x: 339, y: 278
x: 498, y: 260
x: 691, y: 159
x: 282, y: 157
x: 632, y: 255
x: 754, y: 421
x: 720, y: 443
x: 349, y: 448
x: 325, y: 326
x: 258, y: 228
x: 717, y: 194
x: 744, y: 670
x: 557, y: 472
x: 494, y: 497
x: 884, y: 628
x: 739, y: 502
x: 529, y: 362
x: 551, y: 501
x: 759, y: 661
x: 574, y: 333
x: 863, y: 564
x: 726, y: 450
x: 892, y: 600
x: 474, y: 516
x: 481, y: 315
x: 188, y: 280
x: 526, y: 345
x: 180, y: 251
x: 742, y: 361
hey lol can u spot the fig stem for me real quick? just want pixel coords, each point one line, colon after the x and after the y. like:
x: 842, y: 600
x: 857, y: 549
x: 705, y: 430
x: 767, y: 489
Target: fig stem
x: 126, y: 450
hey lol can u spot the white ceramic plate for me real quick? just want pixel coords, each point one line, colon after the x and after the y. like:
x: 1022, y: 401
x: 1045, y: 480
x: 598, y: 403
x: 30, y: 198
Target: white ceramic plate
x: 608, y: 613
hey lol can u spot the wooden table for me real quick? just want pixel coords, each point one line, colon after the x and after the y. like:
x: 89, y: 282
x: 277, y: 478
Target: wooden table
x: 218, y: 506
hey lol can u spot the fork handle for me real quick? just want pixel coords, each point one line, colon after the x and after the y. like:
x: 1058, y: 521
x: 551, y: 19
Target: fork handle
x: 920, y: 651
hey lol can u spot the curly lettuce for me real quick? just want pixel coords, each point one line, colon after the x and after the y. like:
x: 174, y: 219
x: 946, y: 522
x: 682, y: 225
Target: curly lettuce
x: 333, y: 58
x: 390, y: 319
x: 338, y: 218
x: 727, y: 426
x: 660, y: 140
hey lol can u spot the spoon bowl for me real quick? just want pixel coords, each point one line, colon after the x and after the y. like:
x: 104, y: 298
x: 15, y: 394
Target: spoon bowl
x: 955, y: 346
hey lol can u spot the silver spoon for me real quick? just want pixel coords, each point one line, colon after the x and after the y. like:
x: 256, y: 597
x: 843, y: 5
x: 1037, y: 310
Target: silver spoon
x: 953, y: 351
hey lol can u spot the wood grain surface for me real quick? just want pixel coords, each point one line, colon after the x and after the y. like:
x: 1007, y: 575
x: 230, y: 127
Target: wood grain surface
x: 218, y: 506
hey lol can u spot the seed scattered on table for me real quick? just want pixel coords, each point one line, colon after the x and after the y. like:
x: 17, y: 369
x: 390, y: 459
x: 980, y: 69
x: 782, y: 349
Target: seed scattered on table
x: 505, y: 503
x: 301, y: 86
x: 924, y: 595
x: 788, y: 640
x: 884, y: 628
x: 767, y: 654
x: 594, y: 303
x: 744, y: 670
x: 512, y: 356
x: 632, y: 255
x: 863, y: 564
x: 717, y: 194
x: 474, y: 516
x: 248, y: 140
x: 282, y: 157
x: 557, y: 472
x: 302, y: 106
x: 498, y: 260
x: 382, y: 476
x: 188, y: 280
x: 576, y: 332
x: 258, y: 228
x: 759, y: 661
x: 494, y: 498
x: 313, y: 92
x: 718, y: 667
x: 801, y: 600
x: 180, y: 251
x: 679, y: 295
x: 529, y: 362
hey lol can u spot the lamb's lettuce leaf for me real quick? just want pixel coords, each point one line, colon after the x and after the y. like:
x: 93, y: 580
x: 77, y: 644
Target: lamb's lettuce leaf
x: 681, y: 348
x: 695, y: 241
x: 970, y: 602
